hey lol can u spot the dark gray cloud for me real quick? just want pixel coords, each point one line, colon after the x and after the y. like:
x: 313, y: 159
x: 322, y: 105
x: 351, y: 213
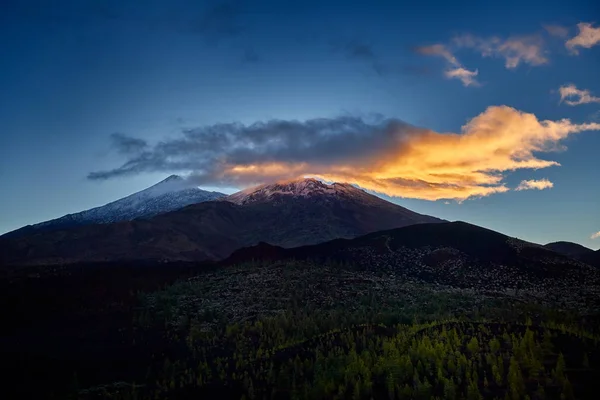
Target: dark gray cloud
x: 362, y: 51
x: 206, y: 152
x: 124, y: 144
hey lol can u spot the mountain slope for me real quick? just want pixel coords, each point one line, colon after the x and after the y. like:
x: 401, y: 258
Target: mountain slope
x: 309, y: 212
x: 570, y: 249
x: 592, y: 258
x: 170, y: 194
x: 454, y: 253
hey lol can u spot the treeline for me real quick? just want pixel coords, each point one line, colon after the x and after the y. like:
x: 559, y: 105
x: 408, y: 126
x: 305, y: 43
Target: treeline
x: 444, y: 360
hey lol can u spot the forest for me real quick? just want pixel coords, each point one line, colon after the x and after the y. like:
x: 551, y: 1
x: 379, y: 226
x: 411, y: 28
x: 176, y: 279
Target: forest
x: 299, y: 330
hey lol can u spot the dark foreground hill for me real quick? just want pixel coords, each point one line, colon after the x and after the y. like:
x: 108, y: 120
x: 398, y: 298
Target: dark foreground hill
x: 287, y: 214
x: 592, y: 258
x: 570, y: 249
x: 454, y: 253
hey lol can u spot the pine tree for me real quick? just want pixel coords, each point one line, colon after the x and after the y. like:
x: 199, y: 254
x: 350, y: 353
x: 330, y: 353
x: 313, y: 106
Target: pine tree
x: 449, y: 390
x: 390, y: 385
x: 473, y: 345
x: 567, y: 389
x: 356, y: 392
x: 516, y: 383
x: 586, y: 361
x: 559, y: 372
x: 495, y: 345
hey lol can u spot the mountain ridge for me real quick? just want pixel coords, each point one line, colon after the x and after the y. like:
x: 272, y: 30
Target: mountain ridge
x: 214, y: 229
x: 170, y: 194
x: 570, y: 249
x: 451, y: 253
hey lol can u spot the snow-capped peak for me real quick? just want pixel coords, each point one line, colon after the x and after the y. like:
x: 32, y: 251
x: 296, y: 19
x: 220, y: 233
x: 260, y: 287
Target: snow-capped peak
x: 167, y: 195
x: 304, y: 187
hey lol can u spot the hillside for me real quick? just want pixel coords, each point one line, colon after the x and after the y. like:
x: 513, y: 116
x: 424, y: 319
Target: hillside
x: 570, y: 249
x: 456, y: 254
x: 309, y: 212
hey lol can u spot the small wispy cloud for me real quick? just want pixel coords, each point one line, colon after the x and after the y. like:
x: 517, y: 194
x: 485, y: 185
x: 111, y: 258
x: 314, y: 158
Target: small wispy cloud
x: 557, y: 30
x: 438, y: 50
x: 455, y: 69
x: 516, y: 50
x: 587, y: 37
x: 574, y: 97
x: 127, y: 145
x: 595, y: 235
x: 364, y: 52
x: 535, y: 185
x: 466, y: 77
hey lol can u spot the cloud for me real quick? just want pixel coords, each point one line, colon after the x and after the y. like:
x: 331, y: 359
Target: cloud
x: 557, y: 30
x: 535, y: 184
x: 466, y: 77
x: 439, y: 50
x: 587, y: 37
x: 579, y: 96
x: 595, y: 235
x: 455, y: 68
x: 528, y: 49
x: 383, y: 155
x: 124, y: 144
x: 364, y: 52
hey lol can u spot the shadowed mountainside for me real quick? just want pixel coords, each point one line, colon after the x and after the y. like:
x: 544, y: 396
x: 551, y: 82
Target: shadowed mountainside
x: 570, y: 249
x: 293, y: 214
x: 454, y: 253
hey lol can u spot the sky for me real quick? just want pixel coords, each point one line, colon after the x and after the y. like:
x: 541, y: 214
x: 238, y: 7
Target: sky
x: 486, y: 112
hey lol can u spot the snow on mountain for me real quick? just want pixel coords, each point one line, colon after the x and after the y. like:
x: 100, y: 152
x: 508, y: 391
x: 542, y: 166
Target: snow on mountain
x: 168, y: 195
x: 308, y: 187
x: 296, y: 188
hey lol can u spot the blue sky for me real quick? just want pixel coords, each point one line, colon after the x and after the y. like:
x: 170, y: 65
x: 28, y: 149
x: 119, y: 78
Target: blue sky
x: 75, y: 72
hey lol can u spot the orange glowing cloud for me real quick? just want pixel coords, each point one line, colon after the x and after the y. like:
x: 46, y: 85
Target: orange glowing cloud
x: 430, y: 165
x: 383, y: 155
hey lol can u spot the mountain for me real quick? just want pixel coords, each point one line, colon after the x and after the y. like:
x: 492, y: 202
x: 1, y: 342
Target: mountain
x: 288, y: 214
x: 592, y: 258
x: 170, y: 194
x: 570, y: 249
x: 453, y: 253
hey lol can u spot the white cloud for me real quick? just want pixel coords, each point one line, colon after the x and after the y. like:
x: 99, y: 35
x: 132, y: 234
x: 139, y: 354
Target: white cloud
x: 455, y: 69
x: 587, y: 37
x: 578, y: 96
x: 535, y: 184
x: 595, y: 235
x: 515, y: 50
x: 466, y: 77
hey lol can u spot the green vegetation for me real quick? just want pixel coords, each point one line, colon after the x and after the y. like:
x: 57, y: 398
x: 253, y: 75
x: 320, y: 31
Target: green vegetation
x: 298, y: 330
